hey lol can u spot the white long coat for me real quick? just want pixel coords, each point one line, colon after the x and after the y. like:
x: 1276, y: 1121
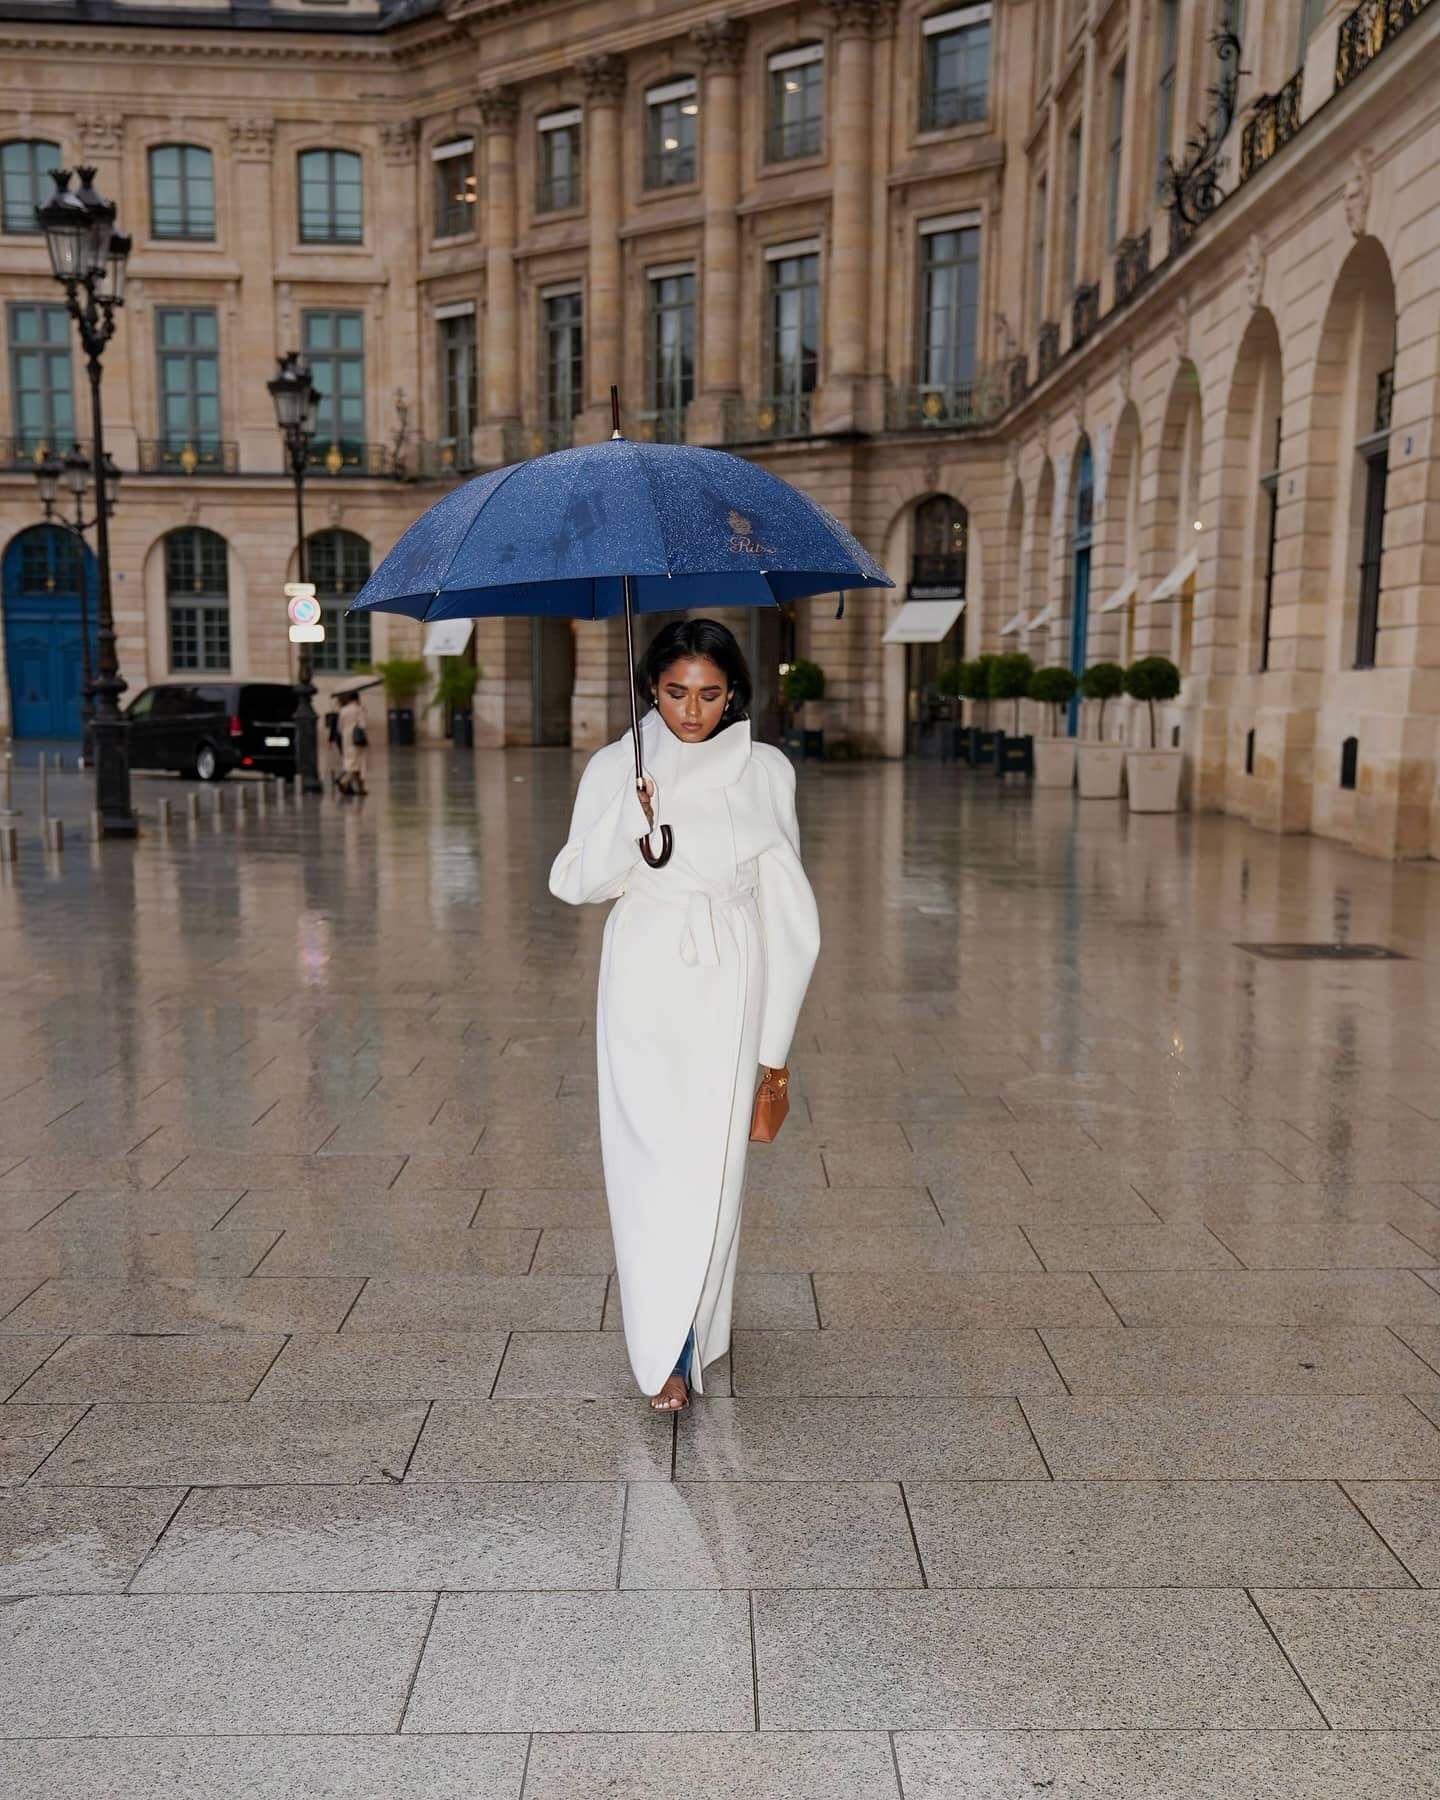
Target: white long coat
x: 702, y: 975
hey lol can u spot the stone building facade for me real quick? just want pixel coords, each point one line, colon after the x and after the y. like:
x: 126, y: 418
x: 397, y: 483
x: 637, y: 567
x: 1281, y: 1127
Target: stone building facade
x: 926, y: 260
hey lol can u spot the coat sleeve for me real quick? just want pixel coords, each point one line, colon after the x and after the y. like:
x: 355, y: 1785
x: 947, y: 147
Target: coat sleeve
x: 605, y: 830
x: 789, y: 919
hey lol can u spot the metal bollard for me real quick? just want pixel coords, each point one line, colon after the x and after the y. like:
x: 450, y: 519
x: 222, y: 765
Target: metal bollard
x: 219, y: 803
x: 8, y: 808
x: 162, y: 814
x: 44, y: 787
x: 192, y: 808
x: 54, y: 834
x: 9, y: 843
x: 97, y: 828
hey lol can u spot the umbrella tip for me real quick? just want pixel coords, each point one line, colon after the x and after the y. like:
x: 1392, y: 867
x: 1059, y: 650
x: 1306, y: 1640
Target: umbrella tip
x: 614, y: 411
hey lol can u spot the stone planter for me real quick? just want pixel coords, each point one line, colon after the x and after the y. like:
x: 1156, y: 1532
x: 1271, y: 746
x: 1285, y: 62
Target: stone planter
x: 1152, y: 780
x: 400, y: 721
x: 1054, y: 762
x: 1101, y: 769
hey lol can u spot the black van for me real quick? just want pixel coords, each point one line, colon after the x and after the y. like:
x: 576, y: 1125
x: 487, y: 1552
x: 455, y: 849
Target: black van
x: 208, y: 728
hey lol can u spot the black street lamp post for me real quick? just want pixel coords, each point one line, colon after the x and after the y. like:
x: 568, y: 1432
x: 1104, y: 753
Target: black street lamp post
x: 74, y: 471
x: 296, y: 407
x: 84, y: 246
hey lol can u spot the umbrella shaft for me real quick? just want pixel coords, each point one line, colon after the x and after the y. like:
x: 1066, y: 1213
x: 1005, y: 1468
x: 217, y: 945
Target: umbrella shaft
x: 630, y: 672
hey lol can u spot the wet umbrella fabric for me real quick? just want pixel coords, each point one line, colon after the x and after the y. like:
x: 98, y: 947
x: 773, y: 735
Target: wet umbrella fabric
x: 559, y: 536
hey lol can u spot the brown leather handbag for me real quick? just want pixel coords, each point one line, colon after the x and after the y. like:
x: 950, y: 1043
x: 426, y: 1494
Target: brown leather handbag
x: 772, y: 1102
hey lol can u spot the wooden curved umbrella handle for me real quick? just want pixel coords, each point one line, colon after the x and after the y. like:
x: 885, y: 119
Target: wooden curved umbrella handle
x: 667, y: 844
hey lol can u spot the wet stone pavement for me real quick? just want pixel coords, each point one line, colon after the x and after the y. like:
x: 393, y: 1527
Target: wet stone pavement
x: 1082, y: 1430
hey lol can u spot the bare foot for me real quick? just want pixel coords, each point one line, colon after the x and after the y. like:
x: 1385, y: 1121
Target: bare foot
x: 673, y: 1397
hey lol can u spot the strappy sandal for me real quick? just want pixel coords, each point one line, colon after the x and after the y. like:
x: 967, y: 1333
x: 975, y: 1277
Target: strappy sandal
x: 680, y: 1373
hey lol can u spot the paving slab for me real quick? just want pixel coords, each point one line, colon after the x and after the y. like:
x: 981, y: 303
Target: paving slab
x: 28, y: 1434
x: 544, y: 1440
x: 388, y: 1365
x: 404, y: 1251
x: 900, y: 1364
x: 184, y: 1367
x: 78, y: 1540
x: 1371, y: 1660
x: 137, y: 1665
x: 709, y: 1765
x: 20, y: 1357
x: 376, y: 1539
x: 763, y: 1302
x: 908, y: 1661
x: 585, y: 1662
x: 1273, y: 1297
x: 482, y: 1303
x: 1406, y: 1514
x: 1240, y: 1359
x: 1152, y: 1246
x: 958, y: 1301
x: 189, y: 1306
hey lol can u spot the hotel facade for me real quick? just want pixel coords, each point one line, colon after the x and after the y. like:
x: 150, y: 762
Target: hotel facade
x: 1112, y: 329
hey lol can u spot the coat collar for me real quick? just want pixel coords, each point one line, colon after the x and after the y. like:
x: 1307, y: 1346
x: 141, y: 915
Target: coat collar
x: 719, y: 762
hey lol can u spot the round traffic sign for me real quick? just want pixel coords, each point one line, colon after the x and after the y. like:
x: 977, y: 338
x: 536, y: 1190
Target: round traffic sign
x: 304, y: 610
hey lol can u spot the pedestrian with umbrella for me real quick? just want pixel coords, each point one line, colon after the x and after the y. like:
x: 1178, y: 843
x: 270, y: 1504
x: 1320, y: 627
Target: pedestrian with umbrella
x: 352, y: 740
x: 708, y: 954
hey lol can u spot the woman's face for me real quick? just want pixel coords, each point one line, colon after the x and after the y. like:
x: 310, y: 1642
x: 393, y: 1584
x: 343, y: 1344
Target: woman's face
x: 691, y: 696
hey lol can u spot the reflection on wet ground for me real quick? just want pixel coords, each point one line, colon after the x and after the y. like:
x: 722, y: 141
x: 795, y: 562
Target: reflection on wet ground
x: 1082, y: 1427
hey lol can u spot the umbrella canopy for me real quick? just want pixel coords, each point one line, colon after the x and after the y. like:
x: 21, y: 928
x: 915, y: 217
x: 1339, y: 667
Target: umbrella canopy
x: 565, y: 534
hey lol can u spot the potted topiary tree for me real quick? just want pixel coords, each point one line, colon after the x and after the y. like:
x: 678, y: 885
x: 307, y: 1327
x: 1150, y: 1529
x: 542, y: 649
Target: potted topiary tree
x: 802, y: 688
x: 1008, y: 678
x: 1055, y: 755
x: 1100, y: 766
x: 404, y: 676
x: 455, y: 695
x: 975, y: 687
x: 1152, y: 777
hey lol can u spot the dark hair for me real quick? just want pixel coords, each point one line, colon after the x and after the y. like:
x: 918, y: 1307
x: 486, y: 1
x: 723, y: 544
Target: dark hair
x: 697, y: 637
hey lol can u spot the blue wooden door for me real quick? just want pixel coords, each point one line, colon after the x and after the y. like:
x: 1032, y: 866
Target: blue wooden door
x: 1080, y: 574
x: 41, y: 577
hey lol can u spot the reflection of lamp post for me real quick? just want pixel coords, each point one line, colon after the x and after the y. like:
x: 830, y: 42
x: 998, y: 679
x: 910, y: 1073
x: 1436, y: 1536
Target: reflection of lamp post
x: 75, y: 472
x: 296, y: 408
x: 80, y: 234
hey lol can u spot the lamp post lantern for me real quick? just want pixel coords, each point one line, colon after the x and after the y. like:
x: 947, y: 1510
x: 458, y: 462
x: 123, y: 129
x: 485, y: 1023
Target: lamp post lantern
x: 88, y: 258
x: 296, y: 413
x: 74, y: 474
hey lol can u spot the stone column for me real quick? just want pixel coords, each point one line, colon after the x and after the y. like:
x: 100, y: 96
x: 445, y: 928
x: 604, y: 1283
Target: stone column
x: 604, y: 79
x: 500, y: 346
x: 845, y: 280
x: 721, y: 43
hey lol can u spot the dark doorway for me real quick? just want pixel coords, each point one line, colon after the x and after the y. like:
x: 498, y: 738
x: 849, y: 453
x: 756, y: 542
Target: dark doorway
x: 552, y: 678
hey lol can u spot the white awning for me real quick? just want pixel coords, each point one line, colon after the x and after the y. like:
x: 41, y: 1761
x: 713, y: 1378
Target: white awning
x: 923, y: 621
x: 1183, y: 571
x: 1041, y: 619
x: 448, y: 637
x: 1012, y: 625
x: 1123, y: 595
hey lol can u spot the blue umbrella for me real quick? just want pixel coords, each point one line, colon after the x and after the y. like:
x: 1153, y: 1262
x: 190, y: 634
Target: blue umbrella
x: 618, y: 527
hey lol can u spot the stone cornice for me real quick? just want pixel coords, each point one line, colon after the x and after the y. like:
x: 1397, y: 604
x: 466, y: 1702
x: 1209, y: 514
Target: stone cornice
x: 721, y: 43
x: 603, y: 77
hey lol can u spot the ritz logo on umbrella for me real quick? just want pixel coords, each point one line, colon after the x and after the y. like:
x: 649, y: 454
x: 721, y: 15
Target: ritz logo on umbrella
x: 742, y: 543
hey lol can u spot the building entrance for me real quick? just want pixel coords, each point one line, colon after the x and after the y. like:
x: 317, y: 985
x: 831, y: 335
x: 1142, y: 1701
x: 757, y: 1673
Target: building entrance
x: 43, y: 575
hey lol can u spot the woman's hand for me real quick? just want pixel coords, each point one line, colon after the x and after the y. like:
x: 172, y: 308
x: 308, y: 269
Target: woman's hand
x: 645, y: 790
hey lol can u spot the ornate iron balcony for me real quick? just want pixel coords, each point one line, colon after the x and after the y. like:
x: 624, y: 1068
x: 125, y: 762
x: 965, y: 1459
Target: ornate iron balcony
x: 968, y: 405
x: 1047, y: 349
x: 670, y: 168
x: 347, y: 456
x: 789, y: 138
x: 1084, y: 312
x: 1132, y: 266
x: 188, y: 456
x: 1274, y: 120
x: 30, y: 449
x: 1366, y: 32
x: 447, y: 458
x: 664, y: 425
x: 521, y: 442
x: 779, y: 416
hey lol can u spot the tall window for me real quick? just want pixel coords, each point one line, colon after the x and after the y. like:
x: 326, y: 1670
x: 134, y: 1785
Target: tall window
x: 187, y: 344
x: 338, y: 562
x: 334, y: 344
x: 949, y: 301
x: 1376, y: 451
x: 1165, y: 90
x: 672, y: 351
x: 558, y: 173
x: 1045, y: 50
x: 331, y: 204
x: 797, y: 102
x: 1037, y: 252
x: 25, y: 164
x: 1113, y: 153
x: 794, y: 332
x: 182, y: 192
x: 455, y: 195
x: 563, y: 370
x: 1270, y: 483
x: 197, y: 598
x: 457, y: 383
x: 41, y: 400
x: 956, y: 76
x: 672, y: 111
x: 1072, y: 209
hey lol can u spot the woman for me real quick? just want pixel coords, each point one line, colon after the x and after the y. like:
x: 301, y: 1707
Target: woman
x: 702, y: 975
x: 354, y: 742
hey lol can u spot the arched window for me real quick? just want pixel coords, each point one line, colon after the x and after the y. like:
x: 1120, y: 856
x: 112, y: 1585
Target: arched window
x: 197, y: 599
x: 50, y: 561
x: 25, y: 164
x: 942, y: 530
x: 671, y: 132
x: 332, y: 207
x: 338, y: 562
x: 455, y: 190
x: 182, y: 192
